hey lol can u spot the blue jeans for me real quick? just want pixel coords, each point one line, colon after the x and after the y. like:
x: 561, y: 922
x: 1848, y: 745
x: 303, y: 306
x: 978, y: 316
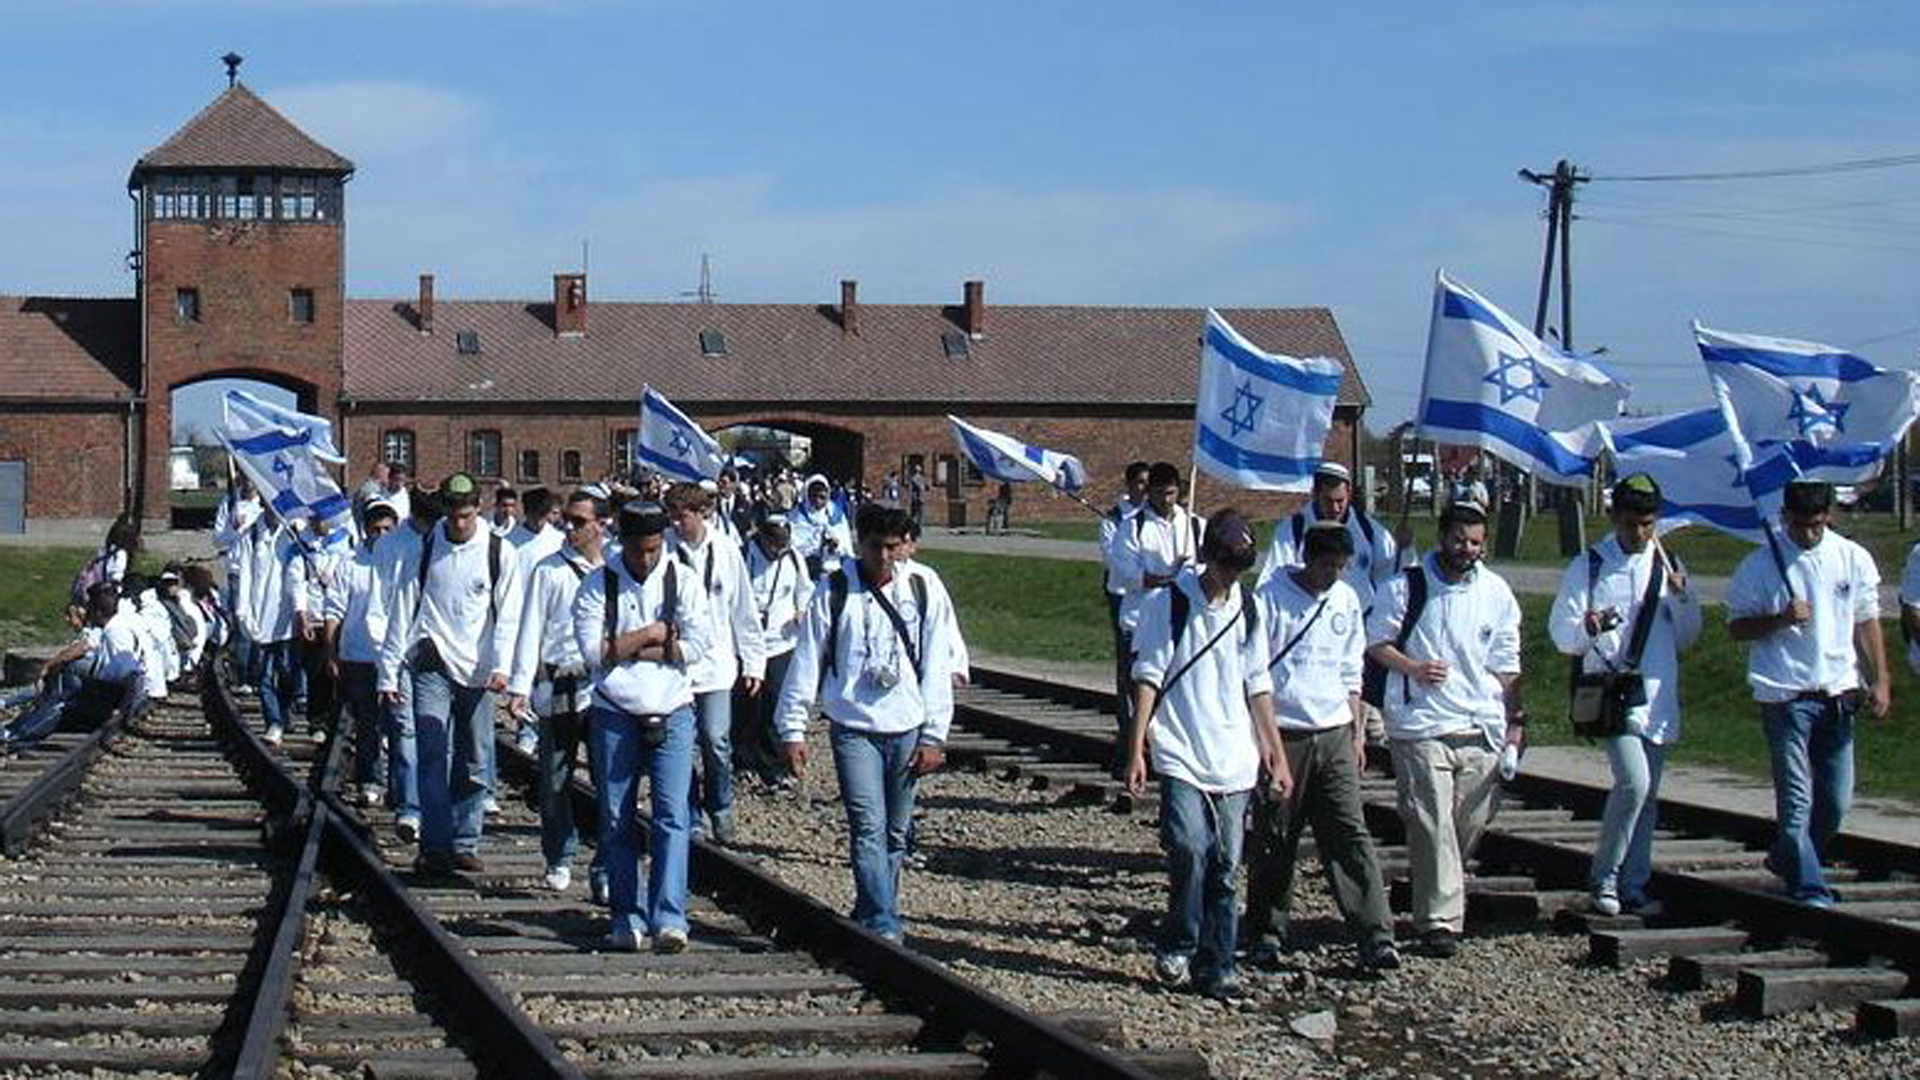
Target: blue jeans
x: 1202, y: 835
x: 274, y: 661
x: 1811, y: 743
x: 453, y: 725
x: 714, y: 711
x: 403, y: 753
x: 877, y: 791
x: 363, y: 706
x: 561, y: 737
x: 669, y: 767
x: 1623, y: 860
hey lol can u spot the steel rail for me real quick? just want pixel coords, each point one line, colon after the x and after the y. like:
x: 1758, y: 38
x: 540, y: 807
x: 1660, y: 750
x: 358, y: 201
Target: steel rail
x: 58, y: 782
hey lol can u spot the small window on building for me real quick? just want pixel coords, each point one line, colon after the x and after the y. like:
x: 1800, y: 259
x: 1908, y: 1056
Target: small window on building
x: 529, y: 470
x: 626, y: 450
x: 186, y: 305
x: 300, y: 305
x: 467, y: 342
x: 954, y: 344
x: 570, y: 466
x: 396, y: 445
x: 483, y: 454
x: 713, y: 343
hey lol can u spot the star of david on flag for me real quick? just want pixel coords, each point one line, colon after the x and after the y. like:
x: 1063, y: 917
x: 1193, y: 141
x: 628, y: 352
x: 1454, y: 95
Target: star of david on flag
x: 674, y: 445
x: 1670, y: 449
x: 281, y: 451
x: 1261, y: 418
x: 1803, y: 409
x: 1003, y: 457
x: 1490, y: 383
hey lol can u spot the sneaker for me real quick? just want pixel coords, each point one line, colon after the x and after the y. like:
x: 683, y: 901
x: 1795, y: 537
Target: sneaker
x: 724, y: 832
x: 669, y: 941
x: 1227, y: 989
x: 272, y: 737
x: 491, y: 807
x: 1438, y: 944
x: 623, y: 940
x: 558, y: 878
x: 1822, y: 901
x: 408, y: 830
x: 1384, y: 956
x: 1171, y: 968
x: 597, y: 889
x: 1646, y: 909
x: 528, y: 740
x: 372, y: 795
x: 1604, y: 903
x: 468, y: 863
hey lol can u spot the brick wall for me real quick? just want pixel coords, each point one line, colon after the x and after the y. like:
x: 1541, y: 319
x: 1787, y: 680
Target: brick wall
x: 74, y: 459
x: 244, y: 272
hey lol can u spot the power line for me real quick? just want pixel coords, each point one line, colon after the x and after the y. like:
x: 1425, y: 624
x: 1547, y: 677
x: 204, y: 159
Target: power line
x: 1750, y: 235
x: 1829, y: 168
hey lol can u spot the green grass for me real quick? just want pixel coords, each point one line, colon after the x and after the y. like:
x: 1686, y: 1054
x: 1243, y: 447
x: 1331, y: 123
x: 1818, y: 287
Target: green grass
x: 198, y: 499
x: 1051, y: 609
x: 33, y: 593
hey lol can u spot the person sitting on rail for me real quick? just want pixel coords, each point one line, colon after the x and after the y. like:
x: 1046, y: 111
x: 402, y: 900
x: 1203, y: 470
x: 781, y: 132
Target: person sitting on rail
x: 1811, y: 608
x: 737, y: 653
x: 641, y: 624
x: 80, y: 686
x: 451, y: 623
x: 874, y: 648
x: 353, y: 635
x: 1203, y: 709
x: 1448, y: 634
x: 1597, y: 617
x: 1315, y: 632
x: 140, y: 598
x: 550, y: 680
x: 781, y: 589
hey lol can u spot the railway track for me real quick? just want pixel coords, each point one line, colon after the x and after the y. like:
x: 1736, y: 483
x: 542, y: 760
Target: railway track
x: 198, y: 903
x: 1726, y: 928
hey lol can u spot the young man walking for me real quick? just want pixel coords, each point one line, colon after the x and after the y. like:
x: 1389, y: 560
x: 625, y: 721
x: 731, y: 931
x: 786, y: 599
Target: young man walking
x: 451, y: 624
x: 353, y: 640
x: 640, y: 624
x: 872, y: 648
x: 781, y: 590
x: 1810, y: 604
x: 1203, y: 710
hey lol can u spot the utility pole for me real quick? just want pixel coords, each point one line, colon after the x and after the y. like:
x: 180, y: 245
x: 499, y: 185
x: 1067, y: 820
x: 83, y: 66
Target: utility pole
x: 1559, y: 184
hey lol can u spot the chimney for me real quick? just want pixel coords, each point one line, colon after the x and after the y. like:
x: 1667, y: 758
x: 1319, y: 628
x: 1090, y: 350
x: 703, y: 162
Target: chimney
x: 423, y: 307
x: 849, y: 307
x: 975, y: 312
x: 570, y: 305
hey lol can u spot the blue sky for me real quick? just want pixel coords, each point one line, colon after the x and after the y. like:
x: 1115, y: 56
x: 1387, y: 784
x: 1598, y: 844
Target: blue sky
x: 1104, y: 153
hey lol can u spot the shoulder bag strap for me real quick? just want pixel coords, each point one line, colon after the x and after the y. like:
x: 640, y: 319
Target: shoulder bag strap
x: 1195, y: 658
x: 1302, y: 632
x: 899, y: 624
x: 1643, y: 619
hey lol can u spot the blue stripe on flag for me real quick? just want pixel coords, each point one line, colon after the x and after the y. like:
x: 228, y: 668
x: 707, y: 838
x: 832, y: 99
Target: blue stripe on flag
x: 1517, y: 433
x: 983, y: 456
x: 1845, y: 367
x: 1459, y: 305
x: 268, y: 442
x: 1233, y: 457
x: 1730, y: 518
x: 1789, y: 460
x: 331, y: 506
x: 1260, y: 367
x: 673, y: 466
x: 1678, y: 433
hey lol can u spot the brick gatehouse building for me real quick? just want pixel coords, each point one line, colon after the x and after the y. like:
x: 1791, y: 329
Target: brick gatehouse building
x: 240, y: 238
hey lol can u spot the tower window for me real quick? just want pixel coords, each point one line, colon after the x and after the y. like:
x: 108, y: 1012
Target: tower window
x: 186, y: 305
x: 300, y: 305
x: 396, y: 445
x: 483, y: 454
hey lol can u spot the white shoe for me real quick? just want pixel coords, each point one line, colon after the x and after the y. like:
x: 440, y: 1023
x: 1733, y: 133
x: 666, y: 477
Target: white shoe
x: 1605, y: 904
x: 491, y: 806
x: 528, y: 740
x: 558, y: 878
x: 272, y: 737
x: 669, y: 941
x: 408, y: 829
x: 1171, y: 969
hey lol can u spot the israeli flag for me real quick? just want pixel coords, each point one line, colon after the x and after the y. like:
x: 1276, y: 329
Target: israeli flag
x: 674, y: 444
x: 1802, y: 409
x: 1004, y: 457
x: 1491, y: 383
x: 1262, y: 419
x: 279, y: 450
x: 256, y: 412
x: 1691, y: 455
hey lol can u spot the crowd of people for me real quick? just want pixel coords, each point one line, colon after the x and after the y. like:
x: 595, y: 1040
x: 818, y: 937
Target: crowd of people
x: 686, y: 635
x: 1255, y: 704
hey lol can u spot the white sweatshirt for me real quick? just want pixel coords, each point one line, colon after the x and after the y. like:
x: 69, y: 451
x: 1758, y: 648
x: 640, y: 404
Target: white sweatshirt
x: 472, y: 625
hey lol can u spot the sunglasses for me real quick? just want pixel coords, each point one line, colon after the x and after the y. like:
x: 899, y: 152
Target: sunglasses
x: 579, y: 522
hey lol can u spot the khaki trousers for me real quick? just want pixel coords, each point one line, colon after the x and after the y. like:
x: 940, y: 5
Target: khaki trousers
x: 1326, y: 794
x: 1448, y: 790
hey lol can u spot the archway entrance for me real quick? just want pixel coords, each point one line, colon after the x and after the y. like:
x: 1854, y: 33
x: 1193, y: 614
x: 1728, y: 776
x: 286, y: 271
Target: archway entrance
x: 197, y: 469
x: 801, y: 446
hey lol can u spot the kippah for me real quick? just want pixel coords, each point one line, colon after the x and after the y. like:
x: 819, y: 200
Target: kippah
x: 1469, y: 507
x: 1334, y: 470
x: 458, y: 485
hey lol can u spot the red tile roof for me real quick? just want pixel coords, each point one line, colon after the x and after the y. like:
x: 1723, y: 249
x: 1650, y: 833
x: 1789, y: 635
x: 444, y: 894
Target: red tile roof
x: 67, y: 349
x: 240, y: 131
x: 797, y: 352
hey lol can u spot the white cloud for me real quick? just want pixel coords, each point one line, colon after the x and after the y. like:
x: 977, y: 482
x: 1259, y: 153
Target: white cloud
x: 375, y: 118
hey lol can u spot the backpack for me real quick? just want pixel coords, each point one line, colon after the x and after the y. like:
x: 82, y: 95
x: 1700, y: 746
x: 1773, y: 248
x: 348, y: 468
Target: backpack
x: 90, y: 575
x: 837, y: 602
x: 669, y: 605
x: 1180, y: 612
x: 1373, y: 676
x: 1299, y: 524
x: 493, y: 572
